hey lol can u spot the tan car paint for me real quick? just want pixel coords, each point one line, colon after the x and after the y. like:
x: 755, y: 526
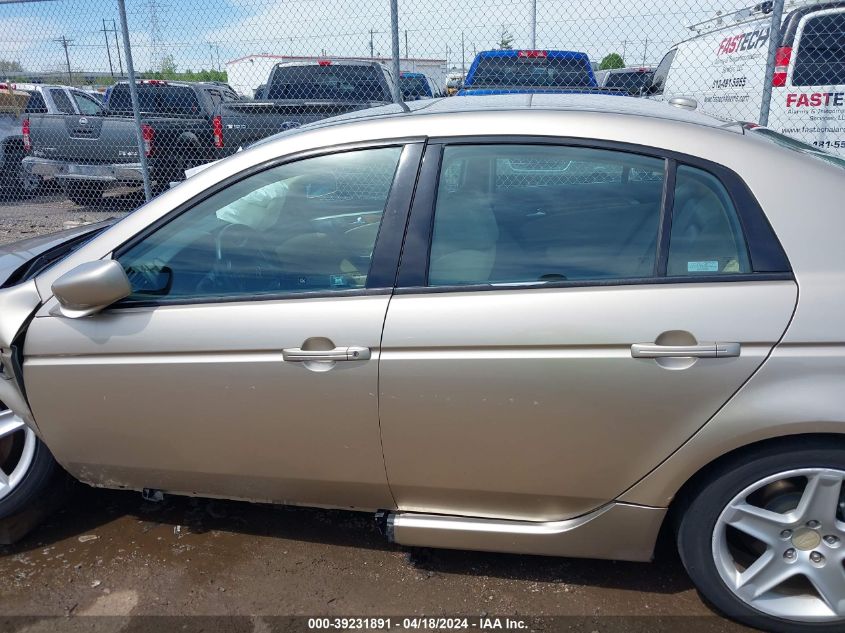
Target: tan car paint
x: 755, y: 318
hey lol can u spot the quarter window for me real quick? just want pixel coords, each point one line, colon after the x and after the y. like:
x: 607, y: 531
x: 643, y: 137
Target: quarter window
x: 304, y: 226
x: 706, y: 237
x: 540, y: 213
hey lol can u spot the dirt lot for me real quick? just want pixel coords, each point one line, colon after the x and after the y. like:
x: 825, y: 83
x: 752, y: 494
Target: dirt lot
x: 112, y: 554
x: 49, y: 211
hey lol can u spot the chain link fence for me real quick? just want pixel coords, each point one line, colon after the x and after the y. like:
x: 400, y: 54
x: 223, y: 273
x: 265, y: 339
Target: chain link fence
x: 214, y: 76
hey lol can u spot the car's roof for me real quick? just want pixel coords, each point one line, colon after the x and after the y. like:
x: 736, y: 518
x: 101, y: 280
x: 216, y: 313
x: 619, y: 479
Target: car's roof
x: 592, y: 103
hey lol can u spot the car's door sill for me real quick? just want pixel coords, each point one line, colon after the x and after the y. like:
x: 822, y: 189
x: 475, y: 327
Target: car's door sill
x: 619, y: 531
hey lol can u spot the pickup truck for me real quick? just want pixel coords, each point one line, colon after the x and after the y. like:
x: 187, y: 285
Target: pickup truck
x: 89, y: 152
x: 297, y: 93
x: 41, y: 99
x: 530, y: 71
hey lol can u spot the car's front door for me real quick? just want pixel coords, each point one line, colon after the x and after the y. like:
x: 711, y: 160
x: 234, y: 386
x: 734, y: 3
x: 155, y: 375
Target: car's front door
x: 554, y: 344
x: 245, y: 363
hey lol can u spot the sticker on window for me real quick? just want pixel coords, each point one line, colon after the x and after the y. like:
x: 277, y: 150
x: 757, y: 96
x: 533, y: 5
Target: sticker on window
x: 703, y: 267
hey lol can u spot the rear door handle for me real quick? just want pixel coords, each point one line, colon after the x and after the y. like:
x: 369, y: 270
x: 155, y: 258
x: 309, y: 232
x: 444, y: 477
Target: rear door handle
x: 707, y: 350
x: 297, y: 355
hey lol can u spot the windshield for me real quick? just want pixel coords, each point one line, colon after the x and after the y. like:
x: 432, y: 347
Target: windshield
x: 342, y: 82
x: 796, y: 145
x: 551, y: 72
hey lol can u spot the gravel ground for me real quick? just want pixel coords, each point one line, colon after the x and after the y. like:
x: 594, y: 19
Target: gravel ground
x: 50, y: 211
x: 112, y: 554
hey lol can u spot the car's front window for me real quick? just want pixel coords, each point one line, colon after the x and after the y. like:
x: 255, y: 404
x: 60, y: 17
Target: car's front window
x: 305, y: 226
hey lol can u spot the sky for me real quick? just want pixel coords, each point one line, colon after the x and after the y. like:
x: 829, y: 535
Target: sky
x: 195, y: 32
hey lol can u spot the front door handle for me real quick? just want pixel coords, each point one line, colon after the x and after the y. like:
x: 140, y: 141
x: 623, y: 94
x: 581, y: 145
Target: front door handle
x: 706, y: 350
x: 298, y: 355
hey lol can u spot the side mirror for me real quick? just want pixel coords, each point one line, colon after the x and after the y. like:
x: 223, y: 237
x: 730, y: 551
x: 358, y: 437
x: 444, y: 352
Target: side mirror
x: 91, y: 287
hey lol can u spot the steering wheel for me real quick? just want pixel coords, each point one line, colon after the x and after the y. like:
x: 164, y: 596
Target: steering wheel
x: 241, y: 264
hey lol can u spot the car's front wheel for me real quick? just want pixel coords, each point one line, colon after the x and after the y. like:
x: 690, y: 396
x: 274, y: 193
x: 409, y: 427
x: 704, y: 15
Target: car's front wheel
x: 27, y: 468
x: 763, y: 538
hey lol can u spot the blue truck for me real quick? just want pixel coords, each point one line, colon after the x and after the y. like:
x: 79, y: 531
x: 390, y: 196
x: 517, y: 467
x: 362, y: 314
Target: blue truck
x: 528, y: 71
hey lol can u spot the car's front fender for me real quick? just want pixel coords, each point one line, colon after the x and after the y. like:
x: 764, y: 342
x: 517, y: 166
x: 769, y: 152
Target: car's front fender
x: 17, y: 304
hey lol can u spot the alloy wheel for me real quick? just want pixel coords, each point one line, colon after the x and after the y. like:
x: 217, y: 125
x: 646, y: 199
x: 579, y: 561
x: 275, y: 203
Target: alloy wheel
x: 779, y: 545
x: 17, y: 450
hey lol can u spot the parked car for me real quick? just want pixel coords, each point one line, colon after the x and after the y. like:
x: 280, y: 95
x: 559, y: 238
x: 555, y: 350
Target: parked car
x: 724, y: 67
x: 14, y: 134
x: 633, y: 80
x: 297, y: 93
x: 514, y: 72
x: 90, y: 151
x: 454, y: 81
x: 649, y: 364
x: 417, y: 86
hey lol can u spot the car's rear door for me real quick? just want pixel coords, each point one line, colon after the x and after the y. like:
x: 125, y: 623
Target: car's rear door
x: 245, y: 363
x: 566, y: 317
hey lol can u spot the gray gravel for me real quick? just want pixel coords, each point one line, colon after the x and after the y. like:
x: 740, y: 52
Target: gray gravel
x: 49, y: 211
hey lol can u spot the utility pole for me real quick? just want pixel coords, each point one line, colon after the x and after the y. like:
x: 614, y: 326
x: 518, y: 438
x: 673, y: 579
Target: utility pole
x: 65, y: 42
x: 533, y: 24
x: 136, y: 107
x: 117, y: 46
x: 645, y: 50
x: 211, y: 46
x: 463, y: 57
x: 108, y: 48
x: 406, y: 44
x: 624, y: 48
x: 372, y: 54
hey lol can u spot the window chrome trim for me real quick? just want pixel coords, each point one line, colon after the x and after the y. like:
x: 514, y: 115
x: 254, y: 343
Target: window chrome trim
x: 599, y: 283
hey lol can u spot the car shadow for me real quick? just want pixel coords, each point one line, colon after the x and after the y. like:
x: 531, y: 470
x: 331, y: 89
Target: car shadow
x: 86, y: 510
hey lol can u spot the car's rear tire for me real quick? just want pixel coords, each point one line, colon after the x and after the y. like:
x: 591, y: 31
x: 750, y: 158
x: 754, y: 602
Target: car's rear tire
x: 27, y: 468
x: 84, y: 192
x: 763, y: 538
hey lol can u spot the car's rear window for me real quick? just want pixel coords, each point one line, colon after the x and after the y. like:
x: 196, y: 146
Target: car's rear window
x: 35, y: 104
x: 821, y: 52
x: 524, y: 71
x: 632, y: 81
x: 795, y: 145
x: 341, y: 82
x: 157, y: 99
x: 414, y: 87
